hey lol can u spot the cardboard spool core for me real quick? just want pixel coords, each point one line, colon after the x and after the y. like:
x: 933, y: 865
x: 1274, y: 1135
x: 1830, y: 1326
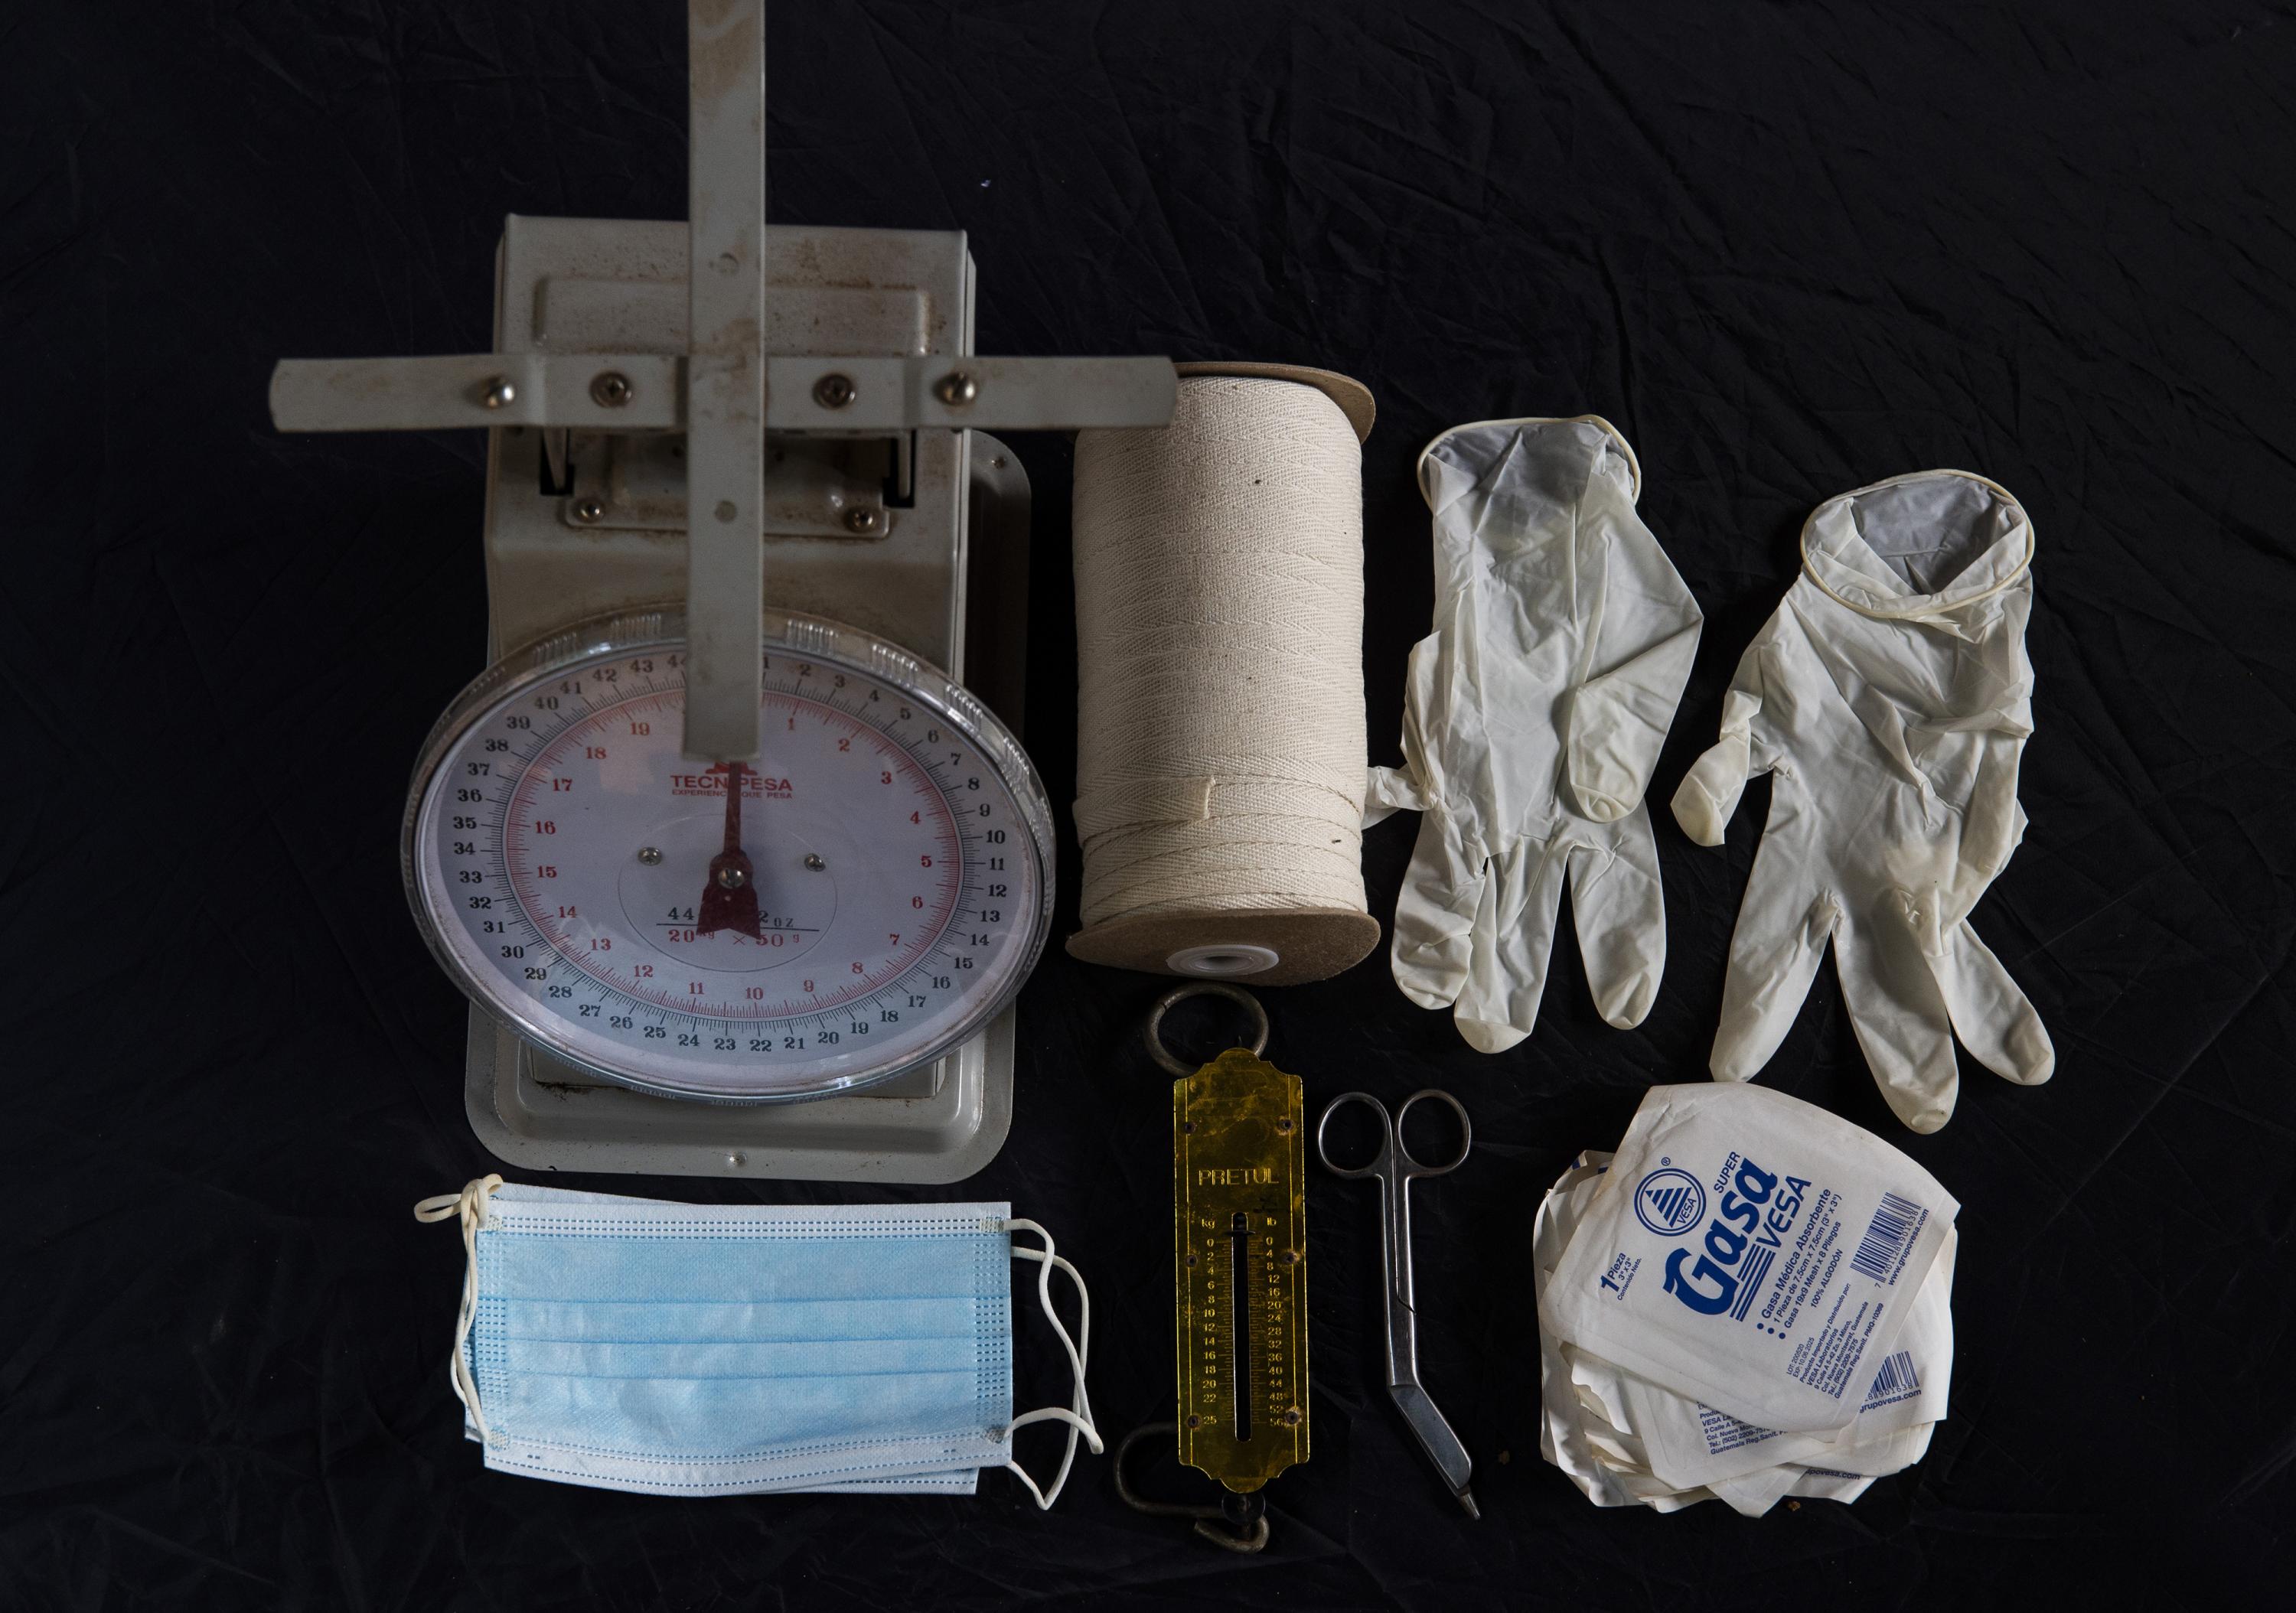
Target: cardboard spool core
x: 1309, y: 944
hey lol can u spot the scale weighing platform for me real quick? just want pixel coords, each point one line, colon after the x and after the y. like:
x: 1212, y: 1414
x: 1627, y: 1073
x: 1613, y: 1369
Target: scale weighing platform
x: 739, y: 879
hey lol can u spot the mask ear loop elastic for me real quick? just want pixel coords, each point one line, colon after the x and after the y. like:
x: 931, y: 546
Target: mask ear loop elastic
x: 471, y: 1205
x: 1078, y: 1414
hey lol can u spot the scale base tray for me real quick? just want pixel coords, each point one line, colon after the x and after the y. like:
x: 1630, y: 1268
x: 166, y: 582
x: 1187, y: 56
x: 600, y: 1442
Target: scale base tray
x: 938, y: 1123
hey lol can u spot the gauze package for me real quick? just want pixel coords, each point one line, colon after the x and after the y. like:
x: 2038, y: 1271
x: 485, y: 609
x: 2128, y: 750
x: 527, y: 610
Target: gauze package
x: 1653, y: 1434
x: 1752, y: 1252
x: 1690, y: 1443
x: 1587, y: 1432
x: 1594, y: 1432
x: 1568, y: 1426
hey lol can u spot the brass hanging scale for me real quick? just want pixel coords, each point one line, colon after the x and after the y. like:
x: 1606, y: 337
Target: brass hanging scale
x: 1239, y: 1257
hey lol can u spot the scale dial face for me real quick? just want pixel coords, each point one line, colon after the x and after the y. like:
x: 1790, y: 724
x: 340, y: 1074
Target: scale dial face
x: 862, y: 898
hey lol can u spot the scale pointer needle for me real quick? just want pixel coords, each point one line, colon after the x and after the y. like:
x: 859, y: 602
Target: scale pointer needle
x: 729, y: 900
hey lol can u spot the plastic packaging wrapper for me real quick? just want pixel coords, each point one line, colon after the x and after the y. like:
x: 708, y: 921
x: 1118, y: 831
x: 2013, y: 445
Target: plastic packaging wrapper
x: 1800, y: 1306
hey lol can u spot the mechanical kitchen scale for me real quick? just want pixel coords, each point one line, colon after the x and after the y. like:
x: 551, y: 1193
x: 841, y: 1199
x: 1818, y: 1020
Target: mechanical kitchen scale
x: 740, y: 881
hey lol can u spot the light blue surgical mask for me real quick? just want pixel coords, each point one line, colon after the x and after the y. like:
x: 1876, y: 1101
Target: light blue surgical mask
x: 718, y: 1349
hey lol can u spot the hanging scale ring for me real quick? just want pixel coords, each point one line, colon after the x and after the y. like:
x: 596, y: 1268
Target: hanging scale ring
x: 1200, y: 989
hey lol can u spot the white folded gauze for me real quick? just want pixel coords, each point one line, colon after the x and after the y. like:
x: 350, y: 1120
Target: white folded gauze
x: 1628, y: 1438
x: 1692, y: 1444
x: 1609, y: 1472
x: 1751, y: 1252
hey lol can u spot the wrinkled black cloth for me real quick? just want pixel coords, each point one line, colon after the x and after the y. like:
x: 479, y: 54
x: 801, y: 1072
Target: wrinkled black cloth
x: 1788, y: 249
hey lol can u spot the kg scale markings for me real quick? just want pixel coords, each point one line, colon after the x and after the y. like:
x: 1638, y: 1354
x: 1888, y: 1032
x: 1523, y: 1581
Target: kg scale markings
x: 737, y: 877
x: 872, y: 890
x: 1240, y: 1240
x: 1239, y: 1266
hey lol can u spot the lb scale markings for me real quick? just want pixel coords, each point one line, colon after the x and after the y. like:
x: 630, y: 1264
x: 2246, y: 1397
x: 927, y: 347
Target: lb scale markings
x: 867, y: 890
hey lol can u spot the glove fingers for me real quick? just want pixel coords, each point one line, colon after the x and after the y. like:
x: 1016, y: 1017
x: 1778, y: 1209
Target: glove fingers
x: 1783, y: 926
x: 1900, y: 1020
x: 1620, y: 911
x: 1508, y: 973
x: 1435, y: 916
x: 1991, y: 1014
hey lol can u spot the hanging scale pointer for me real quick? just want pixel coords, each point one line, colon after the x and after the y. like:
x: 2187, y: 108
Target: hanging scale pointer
x: 719, y: 821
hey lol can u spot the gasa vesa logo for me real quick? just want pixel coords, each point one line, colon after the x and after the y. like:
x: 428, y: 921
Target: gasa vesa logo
x: 1670, y: 1200
x: 1755, y: 1212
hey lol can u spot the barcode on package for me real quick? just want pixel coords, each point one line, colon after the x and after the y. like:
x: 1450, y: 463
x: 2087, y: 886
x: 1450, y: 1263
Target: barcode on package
x: 1884, y: 1243
x: 1896, y: 1381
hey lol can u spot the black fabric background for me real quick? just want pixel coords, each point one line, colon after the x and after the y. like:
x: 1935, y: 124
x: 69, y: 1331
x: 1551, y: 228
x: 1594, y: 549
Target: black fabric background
x: 1787, y: 248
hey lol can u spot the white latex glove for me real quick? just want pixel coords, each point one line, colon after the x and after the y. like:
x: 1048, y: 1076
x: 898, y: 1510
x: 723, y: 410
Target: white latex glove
x: 1890, y: 697
x: 1532, y: 718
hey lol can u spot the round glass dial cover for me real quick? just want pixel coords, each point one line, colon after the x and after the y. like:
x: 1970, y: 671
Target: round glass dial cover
x: 864, y: 897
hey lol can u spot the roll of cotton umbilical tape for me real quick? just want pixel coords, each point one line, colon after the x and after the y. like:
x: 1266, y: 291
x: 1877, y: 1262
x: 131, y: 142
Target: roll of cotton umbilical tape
x: 1220, y: 749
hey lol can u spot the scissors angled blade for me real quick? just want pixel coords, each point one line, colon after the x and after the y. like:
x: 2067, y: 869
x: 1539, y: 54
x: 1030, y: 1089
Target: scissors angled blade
x: 1436, y: 1438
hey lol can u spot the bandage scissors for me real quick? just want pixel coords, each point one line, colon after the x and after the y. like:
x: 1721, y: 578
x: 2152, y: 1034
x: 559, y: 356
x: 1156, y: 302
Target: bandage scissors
x: 1393, y: 1168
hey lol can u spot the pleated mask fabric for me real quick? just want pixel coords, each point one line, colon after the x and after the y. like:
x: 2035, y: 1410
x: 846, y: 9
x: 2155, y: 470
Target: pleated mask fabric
x: 714, y: 1349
